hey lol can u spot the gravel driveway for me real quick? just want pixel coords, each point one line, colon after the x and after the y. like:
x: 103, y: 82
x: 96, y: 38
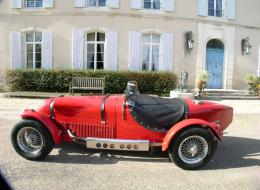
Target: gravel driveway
x: 236, y: 164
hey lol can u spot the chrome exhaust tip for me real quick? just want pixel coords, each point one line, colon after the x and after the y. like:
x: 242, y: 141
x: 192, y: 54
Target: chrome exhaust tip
x: 77, y: 140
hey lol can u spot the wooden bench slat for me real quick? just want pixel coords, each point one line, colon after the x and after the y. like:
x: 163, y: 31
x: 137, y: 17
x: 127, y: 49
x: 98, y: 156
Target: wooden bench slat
x: 87, y: 83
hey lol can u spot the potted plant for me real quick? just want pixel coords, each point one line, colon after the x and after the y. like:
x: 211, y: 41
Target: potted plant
x: 251, y: 81
x: 258, y: 87
x: 201, y: 85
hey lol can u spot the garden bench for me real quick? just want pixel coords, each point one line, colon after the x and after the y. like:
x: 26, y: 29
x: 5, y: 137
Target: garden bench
x: 87, y: 83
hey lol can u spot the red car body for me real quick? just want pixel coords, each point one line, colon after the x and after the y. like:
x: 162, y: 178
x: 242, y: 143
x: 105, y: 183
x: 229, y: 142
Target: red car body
x: 130, y: 122
x: 82, y: 116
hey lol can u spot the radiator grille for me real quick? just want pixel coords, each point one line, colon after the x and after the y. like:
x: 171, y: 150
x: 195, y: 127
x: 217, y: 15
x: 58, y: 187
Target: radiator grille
x: 91, y: 130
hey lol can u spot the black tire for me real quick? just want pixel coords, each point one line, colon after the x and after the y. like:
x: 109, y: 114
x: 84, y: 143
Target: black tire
x: 176, y: 142
x: 46, y: 142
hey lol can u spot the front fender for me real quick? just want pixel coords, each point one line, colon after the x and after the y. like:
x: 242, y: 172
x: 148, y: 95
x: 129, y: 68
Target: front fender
x: 187, y: 123
x: 46, y: 121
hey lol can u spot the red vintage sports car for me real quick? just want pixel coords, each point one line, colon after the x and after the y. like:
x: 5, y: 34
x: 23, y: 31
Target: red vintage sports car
x: 129, y: 122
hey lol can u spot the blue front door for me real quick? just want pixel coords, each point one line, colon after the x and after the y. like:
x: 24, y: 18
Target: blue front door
x: 214, y: 66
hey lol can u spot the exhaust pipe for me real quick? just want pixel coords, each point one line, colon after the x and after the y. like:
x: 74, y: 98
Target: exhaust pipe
x: 77, y: 140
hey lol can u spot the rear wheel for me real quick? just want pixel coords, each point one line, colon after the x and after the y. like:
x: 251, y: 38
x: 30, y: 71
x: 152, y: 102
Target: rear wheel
x: 31, y: 140
x: 192, y: 149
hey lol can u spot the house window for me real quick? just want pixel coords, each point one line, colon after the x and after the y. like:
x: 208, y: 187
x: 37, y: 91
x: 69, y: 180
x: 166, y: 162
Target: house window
x: 96, y: 3
x: 33, y: 3
x: 215, y: 8
x: 152, y: 4
x: 94, y: 50
x: 150, y: 52
x: 33, y: 49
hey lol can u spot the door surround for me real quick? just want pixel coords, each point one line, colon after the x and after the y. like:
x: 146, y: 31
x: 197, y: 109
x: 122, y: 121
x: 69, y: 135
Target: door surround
x: 226, y: 34
x: 258, y: 68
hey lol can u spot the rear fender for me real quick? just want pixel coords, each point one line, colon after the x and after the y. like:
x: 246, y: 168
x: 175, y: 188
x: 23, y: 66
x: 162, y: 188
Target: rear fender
x: 212, y: 127
x: 46, y: 121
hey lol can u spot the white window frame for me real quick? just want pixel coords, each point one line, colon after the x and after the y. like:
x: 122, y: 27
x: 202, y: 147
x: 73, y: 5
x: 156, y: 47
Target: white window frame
x: 152, y: 5
x: 150, y: 50
x: 34, y: 7
x: 34, y: 43
x: 95, y: 48
x: 96, y: 6
x: 224, y: 9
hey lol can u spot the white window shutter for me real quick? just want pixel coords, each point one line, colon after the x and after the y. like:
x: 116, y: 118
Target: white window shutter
x: 168, y: 5
x: 111, y: 51
x: 136, y: 4
x: 231, y: 9
x: 167, y: 60
x: 16, y: 50
x: 79, y: 3
x: 135, y: 51
x: 48, y: 3
x: 202, y: 7
x: 16, y: 4
x: 47, y: 50
x: 114, y: 4
x: 78, y: 42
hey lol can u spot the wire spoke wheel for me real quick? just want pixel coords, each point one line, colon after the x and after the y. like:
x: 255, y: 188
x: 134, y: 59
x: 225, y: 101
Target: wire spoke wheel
x: 193, y: 149
x: 30, y: 140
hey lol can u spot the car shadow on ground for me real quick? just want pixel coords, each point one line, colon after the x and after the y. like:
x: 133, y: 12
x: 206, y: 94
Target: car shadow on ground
x: 236, y: 152
x: 232, y: 152
x: 78, y: 154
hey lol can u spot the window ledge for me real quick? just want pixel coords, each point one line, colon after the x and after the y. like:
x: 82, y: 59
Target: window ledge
x: 152, y: 11
x: 220, y: 19
x: 32, y: 9
x: 104, y: 9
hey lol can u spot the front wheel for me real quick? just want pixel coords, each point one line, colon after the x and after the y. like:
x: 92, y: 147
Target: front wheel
x: 192, y: 149
x: 31, y: 140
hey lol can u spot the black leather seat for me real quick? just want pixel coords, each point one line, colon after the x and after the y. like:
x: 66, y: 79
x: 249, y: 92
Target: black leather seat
x: 158, y: 114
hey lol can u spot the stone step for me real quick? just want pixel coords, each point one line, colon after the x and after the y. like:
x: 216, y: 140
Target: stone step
x: 244, y: 93
x: 225, y: 91
x: 231, y: 98
x: 220, y: 94
x: 228, y: 94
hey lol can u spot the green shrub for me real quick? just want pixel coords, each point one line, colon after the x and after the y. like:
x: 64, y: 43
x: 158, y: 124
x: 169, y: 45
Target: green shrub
x: 159, y: 83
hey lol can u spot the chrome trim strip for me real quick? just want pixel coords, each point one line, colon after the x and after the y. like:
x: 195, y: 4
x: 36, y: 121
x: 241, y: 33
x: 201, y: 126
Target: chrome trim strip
x: 153, y: 144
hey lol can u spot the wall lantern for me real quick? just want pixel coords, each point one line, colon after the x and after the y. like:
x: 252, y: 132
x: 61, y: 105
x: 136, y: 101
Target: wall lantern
x: 189, y: 40
x: 246, y: 47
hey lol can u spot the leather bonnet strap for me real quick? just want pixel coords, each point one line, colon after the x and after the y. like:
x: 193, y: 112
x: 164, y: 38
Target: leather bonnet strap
x: 103, y: 115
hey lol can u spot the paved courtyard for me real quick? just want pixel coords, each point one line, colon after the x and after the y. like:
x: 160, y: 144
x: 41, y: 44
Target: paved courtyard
x: 236, y: 164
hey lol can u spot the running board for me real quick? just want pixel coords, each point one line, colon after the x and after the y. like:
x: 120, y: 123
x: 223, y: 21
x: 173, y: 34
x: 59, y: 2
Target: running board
x: 112, y: 144
x: 116, y: 144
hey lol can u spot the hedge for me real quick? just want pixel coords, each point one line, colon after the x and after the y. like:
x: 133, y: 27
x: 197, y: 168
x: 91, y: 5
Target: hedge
x: 160, y: 83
